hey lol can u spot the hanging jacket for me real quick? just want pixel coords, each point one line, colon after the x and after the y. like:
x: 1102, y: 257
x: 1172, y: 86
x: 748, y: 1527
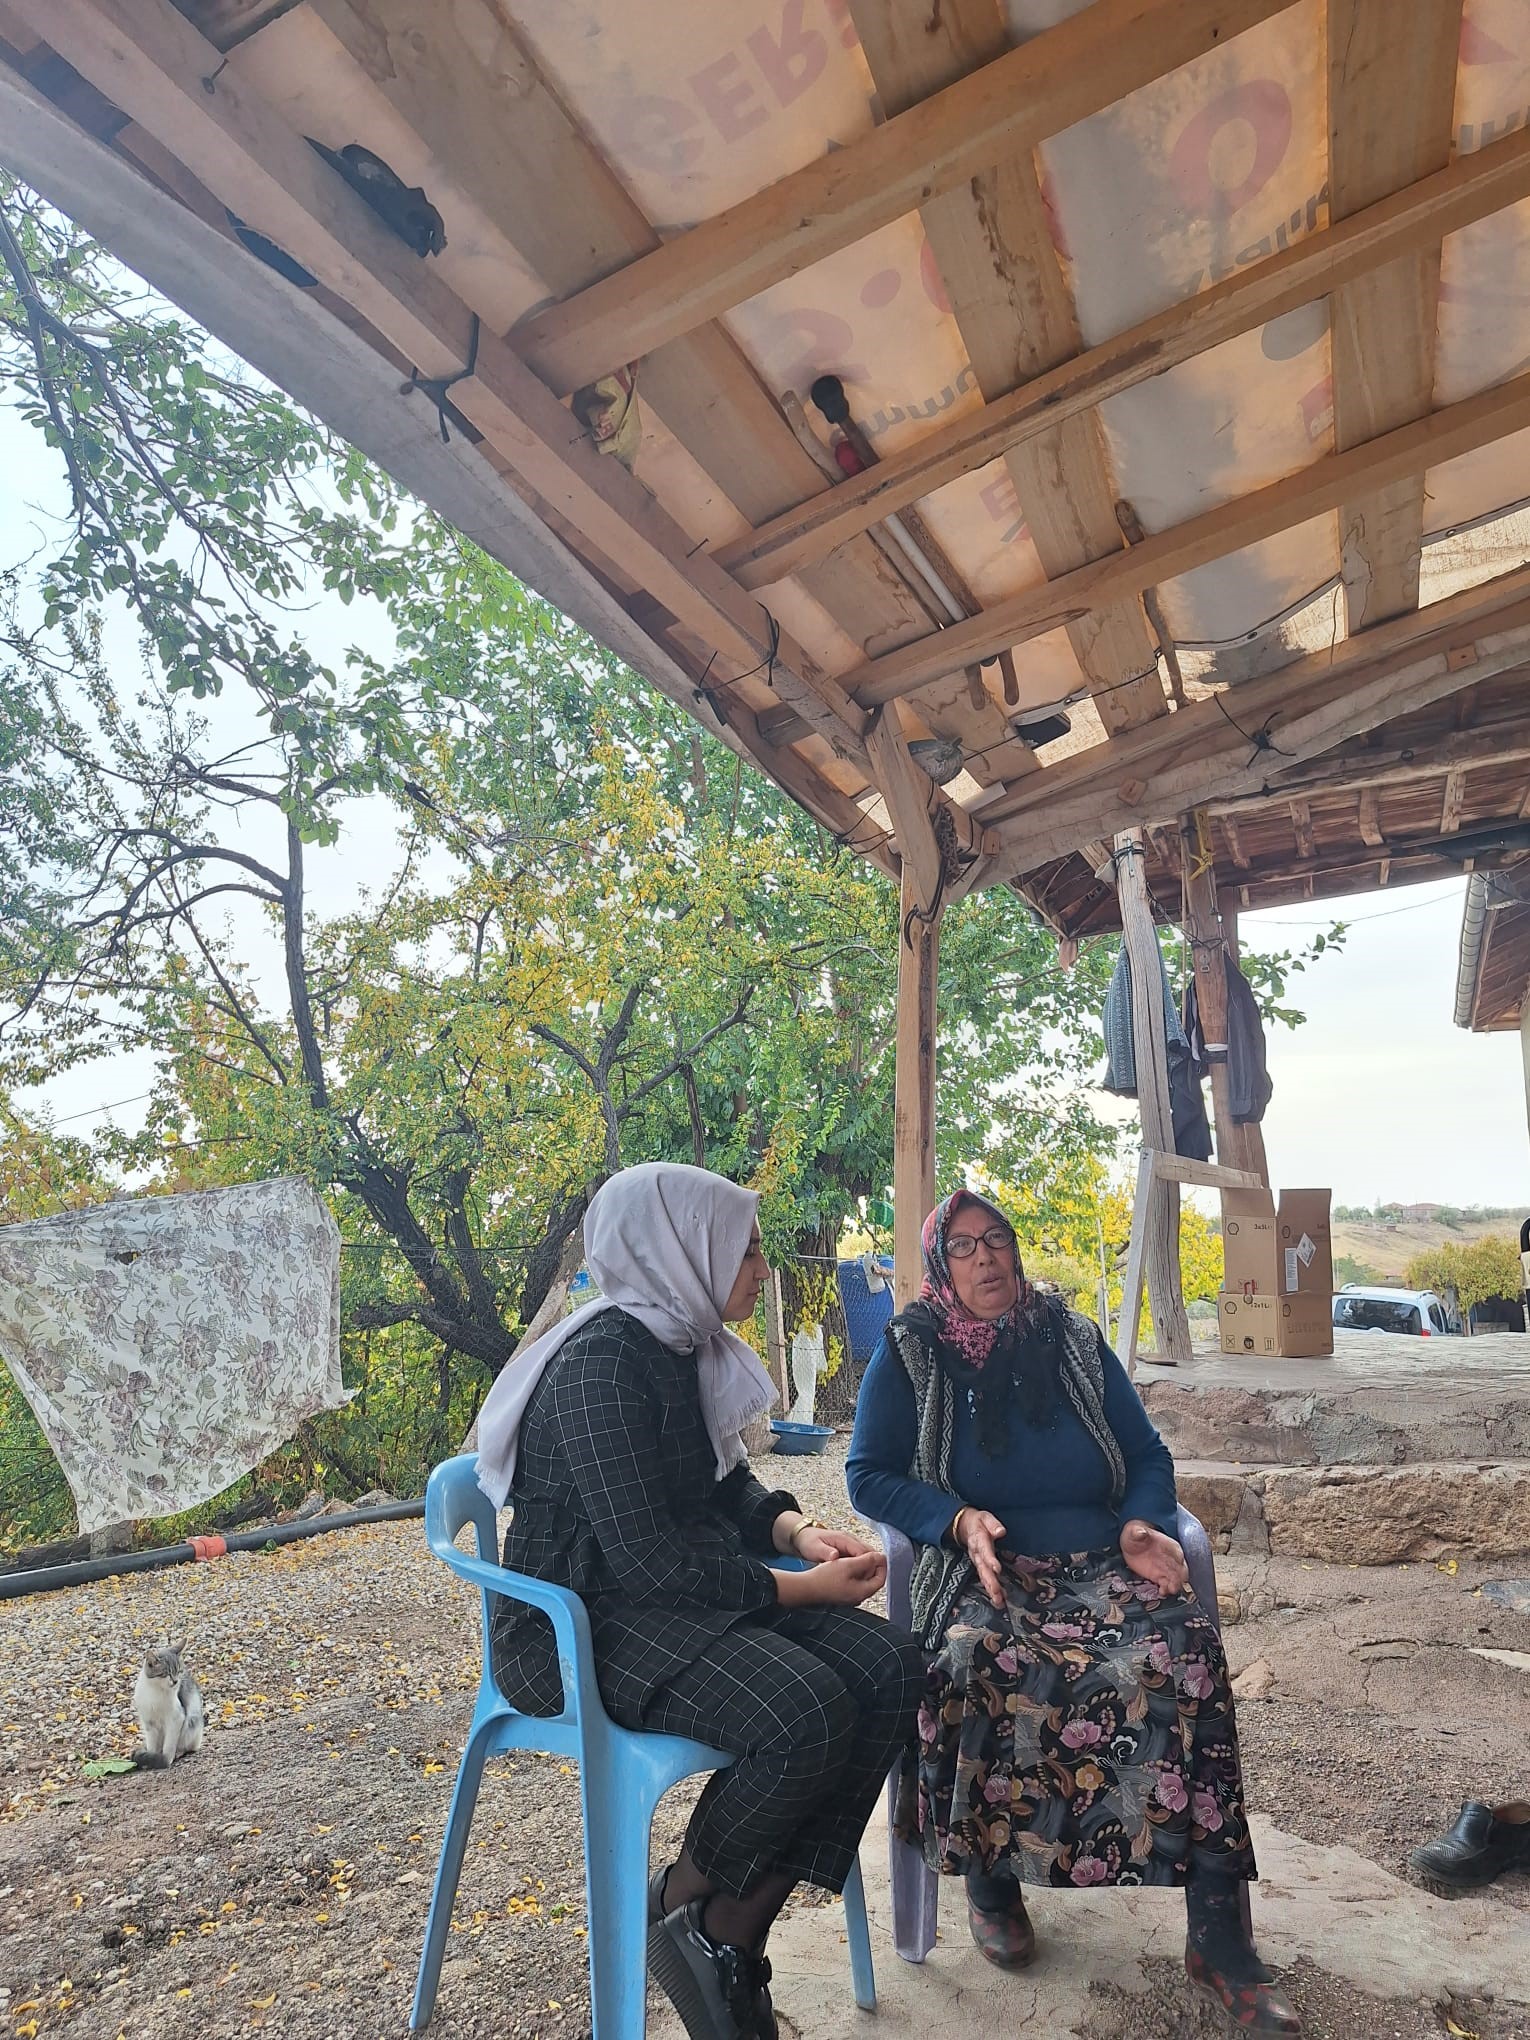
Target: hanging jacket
x: 1248, y: 1076
x: 1192, y: 1130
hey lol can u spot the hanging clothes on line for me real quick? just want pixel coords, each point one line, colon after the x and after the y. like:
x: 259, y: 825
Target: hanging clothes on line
x: 1249, y: 1087
x: 167, y: 1345
x: 1192, y: 1129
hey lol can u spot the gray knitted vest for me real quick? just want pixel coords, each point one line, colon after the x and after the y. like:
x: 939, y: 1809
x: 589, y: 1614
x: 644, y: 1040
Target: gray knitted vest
x: 941, y: 1574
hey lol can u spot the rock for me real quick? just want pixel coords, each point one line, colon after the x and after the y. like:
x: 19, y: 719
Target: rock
x: 1255, y: 1681
x: 1250, y: 1534
x: 1384, y: 1515
x: 1229, y: 1607
x: 1213, y: 1493
x: 1513, y: 1594
x: 310, y: 1505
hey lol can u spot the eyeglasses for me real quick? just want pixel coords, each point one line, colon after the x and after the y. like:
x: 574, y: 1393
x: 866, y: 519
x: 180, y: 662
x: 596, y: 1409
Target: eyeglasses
x: 963, y: 1245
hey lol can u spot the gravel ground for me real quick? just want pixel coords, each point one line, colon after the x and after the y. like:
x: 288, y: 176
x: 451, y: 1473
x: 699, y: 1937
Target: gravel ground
x: 278, y: 1881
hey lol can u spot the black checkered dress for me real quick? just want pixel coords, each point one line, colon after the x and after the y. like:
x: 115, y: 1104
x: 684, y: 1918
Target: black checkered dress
x: 616, y: 1496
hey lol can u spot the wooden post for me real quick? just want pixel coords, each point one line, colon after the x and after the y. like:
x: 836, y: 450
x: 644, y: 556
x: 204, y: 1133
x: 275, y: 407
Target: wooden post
x: 1203, y: 926
x: 775, y: 1338
x: 1253, y: 1136
x: 1160, y: 1227
x: 914, y: 1107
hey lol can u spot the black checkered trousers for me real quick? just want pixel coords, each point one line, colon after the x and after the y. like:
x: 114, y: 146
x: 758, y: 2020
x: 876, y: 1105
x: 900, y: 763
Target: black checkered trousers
x: 616, y: 1496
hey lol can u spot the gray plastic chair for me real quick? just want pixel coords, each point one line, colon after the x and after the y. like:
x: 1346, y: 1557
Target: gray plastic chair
x: 915, y: 1887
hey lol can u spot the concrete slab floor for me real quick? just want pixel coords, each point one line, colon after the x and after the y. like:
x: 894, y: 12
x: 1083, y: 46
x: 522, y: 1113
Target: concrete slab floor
x: 1393, y: 1950
x: 1360, y: 1360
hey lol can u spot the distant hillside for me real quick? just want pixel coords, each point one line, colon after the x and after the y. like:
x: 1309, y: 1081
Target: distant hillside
x: 1386, y: 1249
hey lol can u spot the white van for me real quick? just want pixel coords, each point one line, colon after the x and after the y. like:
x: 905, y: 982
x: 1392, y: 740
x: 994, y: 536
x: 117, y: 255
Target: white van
x: 1416, y: 1313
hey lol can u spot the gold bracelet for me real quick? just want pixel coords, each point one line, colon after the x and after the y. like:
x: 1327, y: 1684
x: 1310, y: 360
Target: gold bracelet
x: 807, y: 1523
x: 956, y: 1525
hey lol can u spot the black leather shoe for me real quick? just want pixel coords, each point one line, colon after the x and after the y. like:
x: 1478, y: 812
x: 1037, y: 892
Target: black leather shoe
x: 710, y: 1984
x: 656, y: 1894
x: 1485, y: 1841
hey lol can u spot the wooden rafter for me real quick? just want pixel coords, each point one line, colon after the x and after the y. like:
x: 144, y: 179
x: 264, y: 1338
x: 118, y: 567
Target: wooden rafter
x: 1204, y: 753
x: 1391, y: 102
x: 1471, y: 189
x: 1496, y: 736
x: 1370, y: 822
x: 474, y: 94
x: 162, y: 73
x: 1453, y: 804
x: 1301, y: 825
x: 993, y: 247
x: 1215, y: 534
x: 292, y: 337
x: 1109, y: 50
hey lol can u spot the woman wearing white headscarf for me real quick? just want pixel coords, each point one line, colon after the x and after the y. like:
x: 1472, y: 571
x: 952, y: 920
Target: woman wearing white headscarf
x: 617, y: 1441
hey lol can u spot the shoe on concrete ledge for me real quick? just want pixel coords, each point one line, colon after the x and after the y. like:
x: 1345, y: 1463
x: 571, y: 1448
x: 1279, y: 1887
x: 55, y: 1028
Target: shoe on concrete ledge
x: 1485, y: 1841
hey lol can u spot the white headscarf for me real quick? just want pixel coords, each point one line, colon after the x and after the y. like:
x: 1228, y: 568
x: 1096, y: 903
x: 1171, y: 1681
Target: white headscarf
x: 665, y: 1242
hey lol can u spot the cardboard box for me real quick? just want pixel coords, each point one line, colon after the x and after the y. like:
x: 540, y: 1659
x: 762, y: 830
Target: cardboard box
x: 1270, y: 1252
x: 1250, y: 1244
x: 1281, y: 1327
x: 1306, y: 1244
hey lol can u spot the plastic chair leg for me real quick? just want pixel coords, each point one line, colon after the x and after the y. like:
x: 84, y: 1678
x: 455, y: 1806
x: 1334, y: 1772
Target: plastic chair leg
x: 618, y: 1816
x: 863, y: 1979
x: 453, y: 1847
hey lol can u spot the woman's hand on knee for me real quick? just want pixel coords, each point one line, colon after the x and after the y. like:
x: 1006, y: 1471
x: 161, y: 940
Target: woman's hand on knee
x: 835, y: 1583
x: 978, y: 1532
x: 1153, y: 1556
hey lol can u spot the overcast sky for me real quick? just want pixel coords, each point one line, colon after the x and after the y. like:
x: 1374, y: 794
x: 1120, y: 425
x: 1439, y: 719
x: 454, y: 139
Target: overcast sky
x: 1377, y: 1096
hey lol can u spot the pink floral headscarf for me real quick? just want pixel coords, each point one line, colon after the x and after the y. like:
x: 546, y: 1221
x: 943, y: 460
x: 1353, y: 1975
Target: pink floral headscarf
x: 973, y: 1338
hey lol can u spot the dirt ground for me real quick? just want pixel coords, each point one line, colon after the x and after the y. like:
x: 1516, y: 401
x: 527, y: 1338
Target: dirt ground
x: 278, y: 1881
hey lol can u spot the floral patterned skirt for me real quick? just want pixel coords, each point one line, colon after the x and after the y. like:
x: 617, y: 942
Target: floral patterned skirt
x: 1082, y: 1735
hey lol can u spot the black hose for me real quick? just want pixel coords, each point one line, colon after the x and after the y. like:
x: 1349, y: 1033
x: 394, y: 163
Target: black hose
x: 48, y: 1579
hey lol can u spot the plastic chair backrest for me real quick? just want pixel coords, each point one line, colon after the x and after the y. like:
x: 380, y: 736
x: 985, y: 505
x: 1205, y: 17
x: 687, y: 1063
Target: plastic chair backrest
x: 453, y: 1499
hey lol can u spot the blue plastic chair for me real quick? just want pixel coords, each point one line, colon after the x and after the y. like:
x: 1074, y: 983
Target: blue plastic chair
x: 915, y: 1887
x: 622, y: 1778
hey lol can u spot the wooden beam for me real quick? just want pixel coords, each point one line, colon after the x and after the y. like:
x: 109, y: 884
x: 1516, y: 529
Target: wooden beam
x: 906, y: 791
x: 1370, y: 822
x: 1499, y: 736
x: 914, y: 1087
x: 993, y: 246
x: 473, y: 92
x: 1391, y: 102
x: 294, y: 339
x: 1135, y: 779
x: 1103, y: 54
x: 1203, y: 927
x: 160, y: 71
x: 1160, y: 1218
x: 1471, y: 189
x: 1454, y: 801
x: 1301, y: 823
x: 1234, y: 843
x: 1215, y: 534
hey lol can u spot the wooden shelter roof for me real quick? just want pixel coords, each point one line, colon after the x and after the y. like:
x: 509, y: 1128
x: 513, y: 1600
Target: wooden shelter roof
x: 1187, y: 336
x: 1493, y: 968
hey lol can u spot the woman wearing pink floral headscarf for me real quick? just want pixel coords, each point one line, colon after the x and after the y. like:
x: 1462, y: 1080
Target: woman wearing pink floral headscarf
x: 1077, y: 1728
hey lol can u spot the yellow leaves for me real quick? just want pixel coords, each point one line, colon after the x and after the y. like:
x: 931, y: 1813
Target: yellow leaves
x: 433, y: 1769
x: 1461, y: 2032
x: 27, y: 2029
x: 263, y: 2004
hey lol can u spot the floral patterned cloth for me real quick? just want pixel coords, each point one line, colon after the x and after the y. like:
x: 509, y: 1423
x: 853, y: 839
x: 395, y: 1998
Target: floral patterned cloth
x: 1082, y: 1735
x: 168, y: 1344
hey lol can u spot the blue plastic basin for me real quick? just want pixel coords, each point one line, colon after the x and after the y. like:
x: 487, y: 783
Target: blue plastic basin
x: 800, y: 1437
